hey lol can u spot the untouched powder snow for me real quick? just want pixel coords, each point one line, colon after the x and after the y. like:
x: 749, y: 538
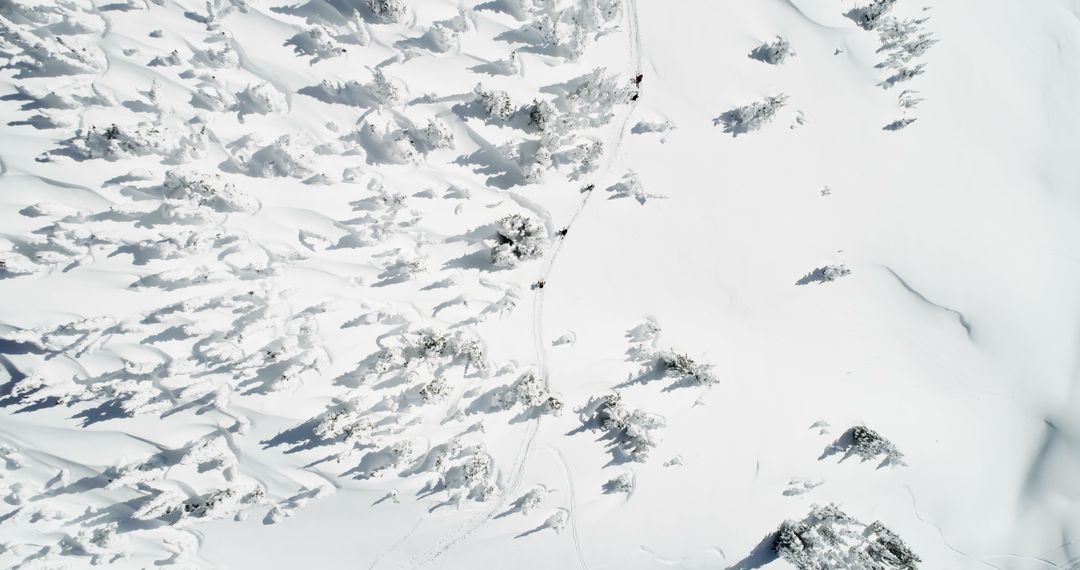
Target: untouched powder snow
x: 540, y: 284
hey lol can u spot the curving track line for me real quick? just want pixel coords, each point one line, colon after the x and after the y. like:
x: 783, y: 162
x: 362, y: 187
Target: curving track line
x: 539, y: 346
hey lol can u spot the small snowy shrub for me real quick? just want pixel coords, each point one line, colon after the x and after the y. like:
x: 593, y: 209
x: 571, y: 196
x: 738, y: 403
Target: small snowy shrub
x: 436, y: 390
x: 496, y: 104
x: 224, y: 58
x: 260, y: 99
x: 592, y: 98
x: 834, y: 272
x: 753, y: 116
x: 828, y: 539
x: 868, y: 17
x: 208, y: 190
x: 100, y: 543
x: 534, y: 159
x: 775, y: 53
x: 442, y: 349
x: 909, y: 99
x: 826, y: 274
x: 213, y: 97
x: 510, y: 65
x: 530, y: 391
x: 387, y: 10
x: 558, y: 520
x: 631, y: 187
x: 122, y: 142
x: 532, y: 499
x: 520, y: 239
x: 899, y: 124
x: 542, y: 115
x: 442, y: 38
x: 286, y: 156
x: 632, y: 430
x: 404, y: 267
x: 903, y: 41
x: 164, y: 504
x: 173, y: 59
x: 221, y: 503
x: 387, y: 90
x: 318, y: 42
x: 867, y: 444
x: 586, y: 158
x: 904, y: 74
x: 687, y: 368
x: 344, y: 424
x: 401, y: 452
x: 436, y: 135
x: 624, y: 483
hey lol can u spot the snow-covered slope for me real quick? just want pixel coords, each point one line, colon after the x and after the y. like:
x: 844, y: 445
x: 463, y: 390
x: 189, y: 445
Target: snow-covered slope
x: 539, y: 283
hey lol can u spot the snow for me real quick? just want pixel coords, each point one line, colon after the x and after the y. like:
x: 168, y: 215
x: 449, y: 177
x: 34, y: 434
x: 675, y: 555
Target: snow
x: 357, y: 284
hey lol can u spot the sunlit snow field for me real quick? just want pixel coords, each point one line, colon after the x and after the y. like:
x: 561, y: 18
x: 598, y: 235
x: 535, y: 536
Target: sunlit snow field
x: 605, y: 284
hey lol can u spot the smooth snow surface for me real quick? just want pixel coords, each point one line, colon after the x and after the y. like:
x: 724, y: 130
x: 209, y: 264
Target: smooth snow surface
x: 540, y: 284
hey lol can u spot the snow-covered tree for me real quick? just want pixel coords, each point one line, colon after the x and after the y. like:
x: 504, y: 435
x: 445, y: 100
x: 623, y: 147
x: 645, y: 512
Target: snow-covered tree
x: 404, y: 267
x: 116, y: 142
x: 633, y: 431
x: 531, y: 392
x: 870, y: 15
x: 387, y: 10
x: 287, y: 156
x: 827, y: 538
x: 520, y: 238
x: 495, y: 104
x: 753, y: 116
x: 387, y: 90
x: 776, y: 52
x: 867, y: 444
x: 542, y: 114
x: 622, y: 483
x: 687, y: 368
x: 209, y: 190
x: 442, y: 38
x: 318, y: 42
x: 436, y: 135
x: 631, y: 187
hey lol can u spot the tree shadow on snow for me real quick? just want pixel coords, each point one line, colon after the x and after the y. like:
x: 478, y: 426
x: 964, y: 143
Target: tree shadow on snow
x: 731, y: 123
x: 762, y: 554
x: 328, y: 12
x: 815, y: 276
x: 490, y: 162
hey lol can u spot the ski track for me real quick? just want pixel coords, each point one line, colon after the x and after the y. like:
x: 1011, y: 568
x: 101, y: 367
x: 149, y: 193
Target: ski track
x: 561, y: 459
x: 538, y: 331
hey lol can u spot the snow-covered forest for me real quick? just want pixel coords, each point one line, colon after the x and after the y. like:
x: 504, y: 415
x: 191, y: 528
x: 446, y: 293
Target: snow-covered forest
x: 540, y: 284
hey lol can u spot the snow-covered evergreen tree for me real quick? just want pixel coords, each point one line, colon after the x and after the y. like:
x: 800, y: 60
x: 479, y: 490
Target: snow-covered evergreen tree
x: 776, y: 52
x: 387, y: 10
x: 869, y: 16
x: 632, y: 430
x: 753, y: 116
x: 495, y: 104
x: 520, y: 238
x: 827, y: 539
x: 689, y: 369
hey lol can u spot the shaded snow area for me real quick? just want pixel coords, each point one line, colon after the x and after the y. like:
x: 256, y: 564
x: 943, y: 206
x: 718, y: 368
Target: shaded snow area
x: 540, y: 284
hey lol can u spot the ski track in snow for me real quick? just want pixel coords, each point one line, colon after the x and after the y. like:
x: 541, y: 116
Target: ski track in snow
x: 539, y: 344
